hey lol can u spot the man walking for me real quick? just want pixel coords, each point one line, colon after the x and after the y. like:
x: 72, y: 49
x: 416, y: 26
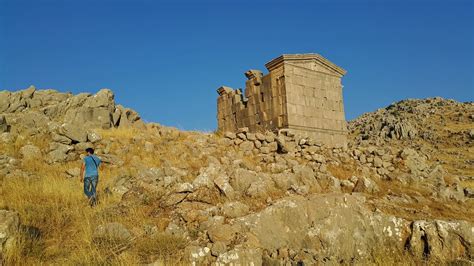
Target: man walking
x: 90, y: 175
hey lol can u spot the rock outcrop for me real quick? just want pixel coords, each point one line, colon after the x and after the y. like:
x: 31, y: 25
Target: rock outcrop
x: 70, y: 120
x: 83, y: 110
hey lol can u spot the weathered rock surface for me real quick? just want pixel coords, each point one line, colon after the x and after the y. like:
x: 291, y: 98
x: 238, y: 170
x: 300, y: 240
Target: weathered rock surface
x: 30, y: 152
x: 83, y: 110
x: 111, y: 233
x: 341, y: 227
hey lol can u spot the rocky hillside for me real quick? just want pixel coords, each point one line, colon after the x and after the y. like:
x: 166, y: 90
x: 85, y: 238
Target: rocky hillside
x: 401, y: 192
x: 441, y: 130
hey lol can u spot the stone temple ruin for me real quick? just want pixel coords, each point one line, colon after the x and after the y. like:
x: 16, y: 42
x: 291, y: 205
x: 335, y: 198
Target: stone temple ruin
x: 302, y: 93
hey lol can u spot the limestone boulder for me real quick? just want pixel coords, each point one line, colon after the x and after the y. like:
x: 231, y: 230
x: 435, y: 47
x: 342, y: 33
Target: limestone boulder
x: 59, y: 152
x: 197, y: 255
x: 365, y: 185
x: 75, y: 132
x: 30, y: 152
x: 230, y: 135
x: 305, y: 175
x: 128, y: 117
x: 451, y: 193
x: 284, y: 181
x: 251, y: 136
x: 241, y: 256
x: 4, y: 127
x: 172, y: 199
x: 4, y: 100
x: 378, y: 162
x: 28, y: 93
x: 413, y: 161
x: 471, y: 134
x: 60, y: 139
x: 17, y: 103
x: 218, y: 248
x: 444, y: 240
x: 91, y: 111
x: 9, y: 226
x: 102, y: 99
x: 318, y: 158
x: 82, y: 146
x: 260, y: 136
x: 94, y: 137
x: 347, y: 186
x: 184, y: 188
x: 285, y: 146
x: 246, y: 145
x: 259, y: 189
x: 241, y: 179
x: 222, y: 182
x: 73, y: 172
x: 206, y: 176
x: 111, y: 234
x: 234, y: 209
x: 33, y: 122
x: 469, y: 192
x: 222, y: 233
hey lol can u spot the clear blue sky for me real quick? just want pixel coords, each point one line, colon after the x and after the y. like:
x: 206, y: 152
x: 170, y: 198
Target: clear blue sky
x: 166, y: 59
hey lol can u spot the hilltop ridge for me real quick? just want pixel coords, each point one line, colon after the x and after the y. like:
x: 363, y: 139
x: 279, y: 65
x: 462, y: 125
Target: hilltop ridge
x: 402, y: 191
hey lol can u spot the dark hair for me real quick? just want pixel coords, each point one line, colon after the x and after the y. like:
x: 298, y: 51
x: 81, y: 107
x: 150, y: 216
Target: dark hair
x: 90, y: 150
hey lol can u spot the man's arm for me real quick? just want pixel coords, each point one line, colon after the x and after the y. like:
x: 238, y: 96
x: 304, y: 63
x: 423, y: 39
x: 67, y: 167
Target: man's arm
x: 83, y: 168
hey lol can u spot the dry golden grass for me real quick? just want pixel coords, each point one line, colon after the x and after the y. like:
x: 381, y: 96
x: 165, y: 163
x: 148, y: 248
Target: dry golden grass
x: 56, y: 207
x: 413, y: 210
x: 53, y: 204
x: 121, y: 133
x: 343, y: 171
x: 13, y: 148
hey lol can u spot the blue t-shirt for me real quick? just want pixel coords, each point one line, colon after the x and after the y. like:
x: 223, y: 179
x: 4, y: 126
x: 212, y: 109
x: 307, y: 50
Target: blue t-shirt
x: 92, y: 163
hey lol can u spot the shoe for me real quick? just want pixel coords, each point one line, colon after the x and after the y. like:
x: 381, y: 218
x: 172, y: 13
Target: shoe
x: 91, y: 201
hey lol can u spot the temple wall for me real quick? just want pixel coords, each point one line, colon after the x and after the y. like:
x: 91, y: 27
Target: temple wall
x: 302, y: 93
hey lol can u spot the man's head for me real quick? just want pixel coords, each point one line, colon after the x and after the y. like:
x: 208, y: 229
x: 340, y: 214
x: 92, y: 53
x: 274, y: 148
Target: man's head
x: 90, y: 151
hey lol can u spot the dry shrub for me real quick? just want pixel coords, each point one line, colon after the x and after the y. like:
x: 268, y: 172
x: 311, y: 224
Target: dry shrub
x: 120, y: 133
x: 384, y: 256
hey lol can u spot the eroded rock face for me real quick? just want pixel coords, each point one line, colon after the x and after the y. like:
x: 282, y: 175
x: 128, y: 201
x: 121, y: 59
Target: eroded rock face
x: 83, y: 110
x: 413, y: 160
x: 69, y: 119
x: 441, y: 239
x: 341, y: 227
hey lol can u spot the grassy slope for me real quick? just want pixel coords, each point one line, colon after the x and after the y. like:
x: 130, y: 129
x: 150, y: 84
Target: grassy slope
x: 55, y: 204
